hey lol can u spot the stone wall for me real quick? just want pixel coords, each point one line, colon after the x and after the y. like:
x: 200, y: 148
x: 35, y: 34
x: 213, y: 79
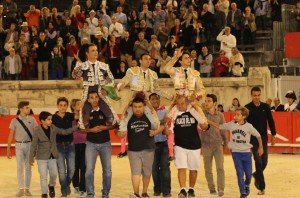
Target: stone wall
x: 43, y: 94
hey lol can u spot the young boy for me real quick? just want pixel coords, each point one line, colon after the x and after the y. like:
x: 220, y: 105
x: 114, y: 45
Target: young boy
x: 240, y: 133
x: 44, y: 149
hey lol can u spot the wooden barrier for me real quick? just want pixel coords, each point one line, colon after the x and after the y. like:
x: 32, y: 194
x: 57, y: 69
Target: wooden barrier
x: 287, y: 127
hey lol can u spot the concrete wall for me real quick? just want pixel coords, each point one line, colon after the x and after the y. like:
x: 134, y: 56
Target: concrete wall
x: 43, y: 94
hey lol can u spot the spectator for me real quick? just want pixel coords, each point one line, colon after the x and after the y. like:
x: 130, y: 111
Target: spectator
x: 269, y: 102
x: 24, y: 30
x: 212, y: 142
x: 234, y: 22
x: 2, y: 18
x: 21, y: 43
x: 170, y: 15
x: 125, y: 6
x: 140, y: 46
x: 249, y: 27
x: 116, y: 29
x: 220, y: 108
x: 12, y: 65
x: 121, y: 71
x: 65, y: 15
x: 25, y: 56
x: 56, y: 20
x: 121, y: 17
x: 247, y: 3
x: 106, y: 19
x: 228, y: 41
x: 34, y: 33
x: 10, y: 11
x: 236, y: 63
x: 102, y: 29
x: 178, y: 32
x: 171, y: 45
x: 134, y: 31
x: 67, y: 31
x: 148, y: 31
x: 235, y: 104
x: 162, y: 34
x: 61, y: 47
x: 132, y: 18
x: 205, y: 60
x: 154, y: 48
x: 72, y: 48
x: 51, y: 35
x: 33, y: 16
x: 77, y: 17
x: 101, y: 44
x: 146, y: 2
x: 207, y: 19
x: 45, y: 18
x: 147, y: 16
x: 199, y: 36
x: 56, y: 64
x: 261, y: 11
x: 219, y: 19
x: 277, y: 106
x: 172, y: 3
x: 224, y: 6
x: 162, y: 61
x: 12, y: 36
x: 126, y: 48
x: 194, y: 60
x: 92, y: 24
x: 296, y: 13
x: 275, y: 10
x: 221, y: 65
x: 3, y: 110
x: 87, y: 8
x: 113, y: 54
x: 85, y: 33
x: 291, y: 101
x: 158, y: 16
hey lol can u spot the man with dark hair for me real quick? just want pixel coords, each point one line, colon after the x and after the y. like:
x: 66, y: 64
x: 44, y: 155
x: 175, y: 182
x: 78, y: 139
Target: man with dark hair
x: 98, y: 142
x: 212, y: 142
x: 141, y: 130
x: 97, y: 77
x: 22, y: 129
x: 260, y: 117
x: 161, y: 173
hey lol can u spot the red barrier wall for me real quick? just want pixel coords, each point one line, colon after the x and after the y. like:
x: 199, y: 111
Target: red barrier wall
x: 292, y: 45
x: 287, y: 126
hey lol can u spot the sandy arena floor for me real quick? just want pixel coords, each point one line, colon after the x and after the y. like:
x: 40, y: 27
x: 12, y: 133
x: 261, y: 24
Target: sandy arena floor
x: 282, y: 179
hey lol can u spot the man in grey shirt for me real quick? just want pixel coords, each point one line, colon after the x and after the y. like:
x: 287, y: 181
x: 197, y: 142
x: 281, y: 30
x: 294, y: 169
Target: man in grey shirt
x: 23, y: 144
x: 212, y: 141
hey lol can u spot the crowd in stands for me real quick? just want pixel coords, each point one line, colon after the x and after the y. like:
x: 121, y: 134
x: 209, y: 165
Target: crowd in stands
x: 41, y: 42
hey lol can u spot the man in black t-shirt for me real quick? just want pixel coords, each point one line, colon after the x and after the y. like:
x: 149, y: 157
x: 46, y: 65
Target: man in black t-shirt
x: 187, y: 144
x: 97, y: 143
x: 141, y: 130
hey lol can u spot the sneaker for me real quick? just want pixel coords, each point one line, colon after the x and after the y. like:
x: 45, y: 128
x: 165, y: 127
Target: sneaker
x: 51, y: 191
x: 77, y: 191
x: 261, y: 192
x: 247, y: 189
x: 157, y: 194
x: 243, y: 196
x: 212, y: 192
x: 20, y: 193
x: 120, y: 155
x: 90, y: 196
x: 134, y: 195
x: 221, y: 193
x: 82, y: 194
x: 191, y: 193
x: 182, y: 194
x: 44, y: 195
x: 167, y: 195
x: 27, y: 193
x: 145, y: 195
x: 64, y: 195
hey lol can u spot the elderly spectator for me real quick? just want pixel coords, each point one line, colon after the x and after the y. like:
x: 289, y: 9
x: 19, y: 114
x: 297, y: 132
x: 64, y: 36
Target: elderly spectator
x: 170, y: 16
x: 126, y: 48
x: 207, y: 18
x: 115, y: 28
x: 140, y: 46
x: 101, y: 44
x: 92, y: 24
x: 158, y: 16
x: 234, y: 18
x: 84, y: 32
x: 102, y: 29
x: 121, y: 17
x: 261, y: 11
x: 224, y: 6
x: 219, y: 19
x: 221, y: 65
x: 154, y: 48
x: 236, y: 63
x: 228, y: 41
x: 291, y: 101
x: 194, y: 60
x: 277, y: 106
x: 205, y: 60
x: 296, y: 13
x: 12, y: 65
x: 146, y: 15
x: 12, y: 36
x: 162, y: 33
x: 249, y: 27
x: 32, y: 16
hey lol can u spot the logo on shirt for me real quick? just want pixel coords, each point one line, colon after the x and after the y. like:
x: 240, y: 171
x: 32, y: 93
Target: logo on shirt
x: 139, y: 126
x: 185, y: 121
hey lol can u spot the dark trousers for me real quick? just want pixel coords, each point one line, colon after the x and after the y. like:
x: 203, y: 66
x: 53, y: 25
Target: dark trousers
x: 13, y: 76
x: 243, y: 168
x: 161, y: 169
x: 260, y: 161
x: 78, y: 179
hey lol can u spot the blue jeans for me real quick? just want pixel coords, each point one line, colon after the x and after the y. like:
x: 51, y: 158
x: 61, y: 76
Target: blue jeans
x: 160, y: 170
x: 23, y: 166
x: 44, y: 166
x: 91, y: 152
x: 243, y: 167
x: 65, y: 165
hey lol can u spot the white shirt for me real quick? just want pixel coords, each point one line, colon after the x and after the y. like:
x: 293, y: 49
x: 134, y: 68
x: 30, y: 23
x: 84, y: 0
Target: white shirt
x: 116, y: 29
x: 92, y: 25
x: 230, y: 42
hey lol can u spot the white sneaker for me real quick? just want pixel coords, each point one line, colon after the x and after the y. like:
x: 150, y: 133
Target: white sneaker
x: 261, y: 192
x: 82, y: 194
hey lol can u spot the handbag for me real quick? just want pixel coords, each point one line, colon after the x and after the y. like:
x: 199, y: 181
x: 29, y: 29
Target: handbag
x: 25, y: 128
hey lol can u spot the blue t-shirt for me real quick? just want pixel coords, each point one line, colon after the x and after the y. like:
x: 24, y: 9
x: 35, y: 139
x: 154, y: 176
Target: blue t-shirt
x: 298, y: 106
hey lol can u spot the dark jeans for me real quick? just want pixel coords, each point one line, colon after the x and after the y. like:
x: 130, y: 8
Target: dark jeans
x: 260, y: 161
x: 161, y: 170
x: 243, y: 167
x: 79, y: 174
x: 13, y: 76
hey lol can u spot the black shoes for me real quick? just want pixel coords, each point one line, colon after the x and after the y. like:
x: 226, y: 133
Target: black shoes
x: 182, y: 194
x: 44, y: 195
x: 247, y: 189
x: 191, y: 193
x: 51, y: 191
x: 120, y: 155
